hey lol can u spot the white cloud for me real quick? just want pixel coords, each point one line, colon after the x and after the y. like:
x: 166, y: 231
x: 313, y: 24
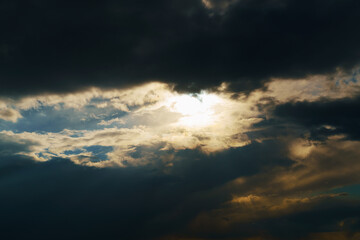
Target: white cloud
x: 208, y: 121
x: 156, y: 115
x: 112, y: 121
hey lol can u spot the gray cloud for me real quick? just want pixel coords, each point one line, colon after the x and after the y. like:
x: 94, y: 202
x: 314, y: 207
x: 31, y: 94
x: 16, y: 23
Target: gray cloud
x: 111, y: 43
x: 324, y: 118
x: 9, y: 114
x: 183, y: 200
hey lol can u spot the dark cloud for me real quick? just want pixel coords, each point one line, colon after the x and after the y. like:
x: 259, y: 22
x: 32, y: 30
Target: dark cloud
x: 58, y: 199
x: 10, y: 146
x: 219, y: 6
x: 288, y: 197
x: 324, y: 216
x: 65, y: 46
x: 324, y: 118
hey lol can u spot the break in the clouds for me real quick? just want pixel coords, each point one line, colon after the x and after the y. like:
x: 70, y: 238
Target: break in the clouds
x: 180, y: 120
x: 118, y: 122
x: 121, y: 121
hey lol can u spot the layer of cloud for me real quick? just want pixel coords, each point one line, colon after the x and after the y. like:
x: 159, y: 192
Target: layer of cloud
x: 235, y: 194
x: 152, y: 163
x: 57, y: 47
x: 155, y: 116
x: 324, y: 118
x: 287, y: 196
x: 164, y: 120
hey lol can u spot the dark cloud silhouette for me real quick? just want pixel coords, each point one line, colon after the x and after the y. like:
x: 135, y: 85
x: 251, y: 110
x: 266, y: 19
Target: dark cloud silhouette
x: 324, y: 118
x: 58, y: 199
x: 66, y: 46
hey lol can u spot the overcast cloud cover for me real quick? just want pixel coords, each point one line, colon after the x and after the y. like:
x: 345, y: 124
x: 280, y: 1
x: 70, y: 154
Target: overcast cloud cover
x: 180, y: 119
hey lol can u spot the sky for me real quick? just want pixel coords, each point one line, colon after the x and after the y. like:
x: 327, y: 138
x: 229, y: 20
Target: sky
x: 180, y: 119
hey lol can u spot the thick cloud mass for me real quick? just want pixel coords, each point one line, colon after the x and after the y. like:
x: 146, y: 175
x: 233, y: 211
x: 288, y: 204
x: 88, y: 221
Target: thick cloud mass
x: 68, y: 201
x: 58, y: 199
x: 325, y: 118
x: 68, y: 45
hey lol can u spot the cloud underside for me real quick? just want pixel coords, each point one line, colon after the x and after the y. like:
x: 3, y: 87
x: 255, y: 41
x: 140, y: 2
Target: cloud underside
x: 59, y: 47
x: 235, y: 194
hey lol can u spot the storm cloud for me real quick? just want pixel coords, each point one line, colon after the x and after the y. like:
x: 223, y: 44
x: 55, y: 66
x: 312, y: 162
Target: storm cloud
x: 62, y: 46
x: 324, y: 118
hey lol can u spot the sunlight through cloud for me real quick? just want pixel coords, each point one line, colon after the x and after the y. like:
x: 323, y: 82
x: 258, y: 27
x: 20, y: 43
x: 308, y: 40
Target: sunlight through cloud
x: 198, y: 110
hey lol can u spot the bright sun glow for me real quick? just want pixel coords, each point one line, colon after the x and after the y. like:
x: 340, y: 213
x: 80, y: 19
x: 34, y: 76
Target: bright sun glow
x: 198, y: 110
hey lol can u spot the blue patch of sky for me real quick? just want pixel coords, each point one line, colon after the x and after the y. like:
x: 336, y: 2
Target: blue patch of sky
x: 97, y: 100
x: 77, y: 135
x: 4, y: 125
x: 46, y: 156
x: 74, y: 152
x: 49, y: 119
x: 352, y: 190
x: 355, y: 76
x: 352, y: 79
x: 99, y: 152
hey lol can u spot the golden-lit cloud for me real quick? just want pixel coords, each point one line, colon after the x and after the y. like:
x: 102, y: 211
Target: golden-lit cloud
x: 312, y: 88
x: 9, y: 114
x: 155, y: 115
x: 285, y: 190
x: 117, y: 98
x: 251, y: 208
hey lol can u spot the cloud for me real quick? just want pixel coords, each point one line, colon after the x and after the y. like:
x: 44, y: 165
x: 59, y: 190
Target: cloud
x: 85, y: 201
x: 10, y: 145
x: 219, y: 5
x: 180, y: 119
x: 177, y: 42
x: 152, y: 163
x: 121, y: 99
x: 156, y: 117
x: 247, y: 192
x: 112, y: 121
x: 314, y: 88
x: 292, y: 196
x: 335, y: 235
x: 9, y: 115
x: 131, y: 203
x: 324, y: 118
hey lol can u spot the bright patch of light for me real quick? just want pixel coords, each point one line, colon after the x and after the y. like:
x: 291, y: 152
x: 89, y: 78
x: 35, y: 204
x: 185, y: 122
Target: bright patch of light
x: 198, y: 110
